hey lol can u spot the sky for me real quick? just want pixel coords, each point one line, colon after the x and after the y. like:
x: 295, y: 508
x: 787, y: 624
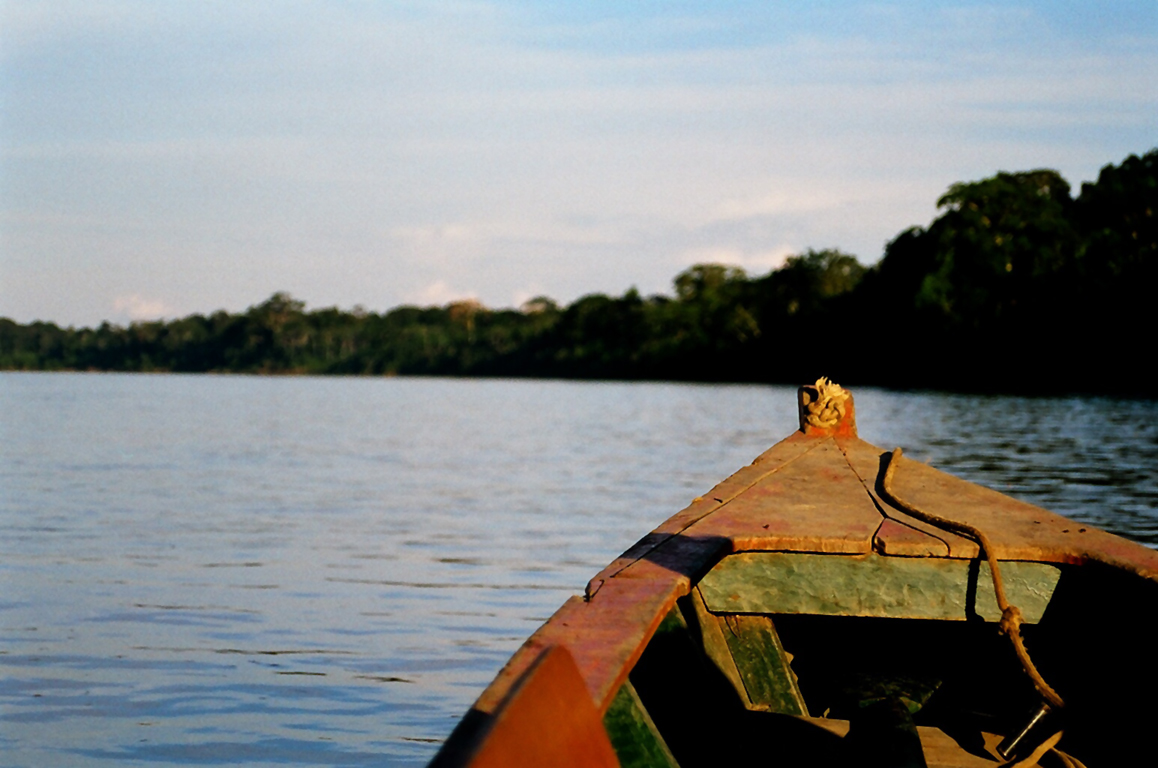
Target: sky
x: 159, y: 159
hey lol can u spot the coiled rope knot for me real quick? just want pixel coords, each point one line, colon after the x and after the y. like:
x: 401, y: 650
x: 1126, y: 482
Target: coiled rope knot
x: 1010, y: 623
x: 828, y: 408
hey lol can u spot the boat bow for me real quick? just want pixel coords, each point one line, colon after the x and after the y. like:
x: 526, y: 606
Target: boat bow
x: 748, y: 579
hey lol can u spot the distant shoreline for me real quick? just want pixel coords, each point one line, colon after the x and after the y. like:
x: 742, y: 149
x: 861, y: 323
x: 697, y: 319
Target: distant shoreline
x: 1017, y: 287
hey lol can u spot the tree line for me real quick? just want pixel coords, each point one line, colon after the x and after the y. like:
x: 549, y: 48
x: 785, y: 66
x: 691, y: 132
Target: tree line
x: 1016, y: 286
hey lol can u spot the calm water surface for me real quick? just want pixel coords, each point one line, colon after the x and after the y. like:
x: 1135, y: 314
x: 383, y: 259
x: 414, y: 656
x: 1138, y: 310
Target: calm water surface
x: 315, y: 571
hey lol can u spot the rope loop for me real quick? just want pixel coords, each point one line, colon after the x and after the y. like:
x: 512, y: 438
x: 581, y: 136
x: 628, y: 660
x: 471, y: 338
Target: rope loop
x: 1011, y: 619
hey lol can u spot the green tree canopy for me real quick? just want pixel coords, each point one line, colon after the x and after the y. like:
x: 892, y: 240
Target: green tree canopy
x: 999, y: 246
x: 1119, y: 218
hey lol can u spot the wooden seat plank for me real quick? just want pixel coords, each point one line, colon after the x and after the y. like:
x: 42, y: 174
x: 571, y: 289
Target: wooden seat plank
x: 874, y: 586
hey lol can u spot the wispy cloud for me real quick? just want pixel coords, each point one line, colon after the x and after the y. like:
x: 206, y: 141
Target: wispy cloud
x: 753, y: 262
x: 137, y: 307
x: 439, y: 293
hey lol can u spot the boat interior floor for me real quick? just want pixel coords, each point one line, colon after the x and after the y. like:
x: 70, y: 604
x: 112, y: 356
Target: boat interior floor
x: 816, y: 690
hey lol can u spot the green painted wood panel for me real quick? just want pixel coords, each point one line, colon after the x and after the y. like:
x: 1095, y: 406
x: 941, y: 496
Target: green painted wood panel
x: 872, y: 585
x: 712, y: 637
x: 763, y: 665
x: 637, y: 742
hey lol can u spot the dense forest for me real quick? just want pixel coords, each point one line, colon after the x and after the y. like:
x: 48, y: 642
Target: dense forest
x: 1017, y: 286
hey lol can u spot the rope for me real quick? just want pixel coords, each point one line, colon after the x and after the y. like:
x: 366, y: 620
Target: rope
x: 828, y: 408
x: 1010, y: 624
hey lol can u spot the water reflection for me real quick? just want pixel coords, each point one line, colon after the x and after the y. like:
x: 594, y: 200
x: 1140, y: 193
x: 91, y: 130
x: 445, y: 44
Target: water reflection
x: 240, y: 570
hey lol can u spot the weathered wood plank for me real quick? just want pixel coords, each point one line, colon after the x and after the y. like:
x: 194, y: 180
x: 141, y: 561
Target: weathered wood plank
x: 1017, y: 530
x: 814, y: 504
x: 896, y: 538
x: 763, y: 665
x: 605, y: 635
x: 637, y: 742
x: 865, y: 460
x: 890, y: 587
x: 680, y: 558
x: 771, y: 461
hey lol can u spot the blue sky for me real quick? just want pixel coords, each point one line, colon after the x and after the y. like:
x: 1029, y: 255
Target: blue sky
x: 158, y: 159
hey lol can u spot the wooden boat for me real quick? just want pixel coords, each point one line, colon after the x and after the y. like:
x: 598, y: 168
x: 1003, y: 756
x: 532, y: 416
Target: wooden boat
x: 835, y: 604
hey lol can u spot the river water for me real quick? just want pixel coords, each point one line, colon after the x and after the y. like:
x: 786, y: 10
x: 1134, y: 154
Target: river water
x: 326, y: 571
